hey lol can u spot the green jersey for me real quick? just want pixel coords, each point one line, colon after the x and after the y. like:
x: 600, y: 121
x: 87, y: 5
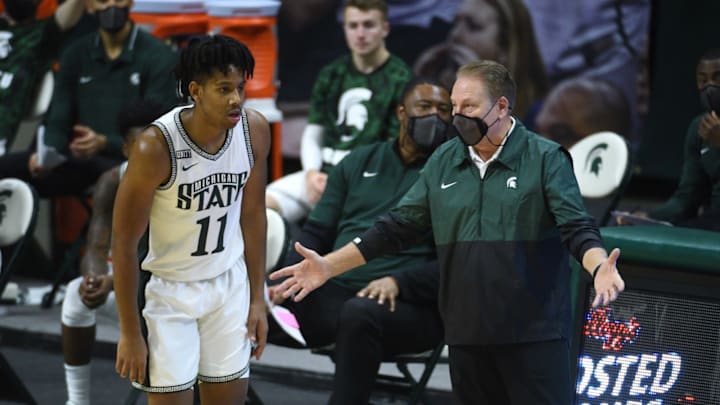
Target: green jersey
x: 363, y: 186
x: 356, y: 108
x: 699, y: 180
x: 26, y: 53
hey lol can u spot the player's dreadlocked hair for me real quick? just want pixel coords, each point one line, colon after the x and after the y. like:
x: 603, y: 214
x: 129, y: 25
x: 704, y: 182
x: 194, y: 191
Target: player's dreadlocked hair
x: 208, y: 53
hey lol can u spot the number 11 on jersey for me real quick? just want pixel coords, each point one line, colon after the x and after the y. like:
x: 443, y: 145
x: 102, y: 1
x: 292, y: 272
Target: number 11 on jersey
x: 202, y: 240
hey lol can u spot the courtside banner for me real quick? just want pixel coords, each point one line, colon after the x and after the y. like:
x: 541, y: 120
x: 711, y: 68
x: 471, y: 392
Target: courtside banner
x: 650, y: 348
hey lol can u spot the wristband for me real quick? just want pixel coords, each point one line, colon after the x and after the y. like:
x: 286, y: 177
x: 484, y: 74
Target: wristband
x: 594, y: 273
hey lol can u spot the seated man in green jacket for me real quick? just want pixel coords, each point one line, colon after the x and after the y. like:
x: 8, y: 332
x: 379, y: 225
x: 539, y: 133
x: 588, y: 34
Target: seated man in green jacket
x: 366, y: 183
x: 696, y: 201
x: 98, y: 74
x: 28, y: 47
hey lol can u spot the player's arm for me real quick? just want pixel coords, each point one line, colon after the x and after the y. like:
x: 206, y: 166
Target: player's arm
x: 69, y: 13
x: 253, y: 223
x: 98, y: 236
x: 149, y: 166
x: 311, y: 147
x: 313, y: 139
x: 96, y: 283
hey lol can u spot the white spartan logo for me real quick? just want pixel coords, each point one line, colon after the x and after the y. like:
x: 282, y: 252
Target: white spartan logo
x: 352, y: 112
x: 511, y: 182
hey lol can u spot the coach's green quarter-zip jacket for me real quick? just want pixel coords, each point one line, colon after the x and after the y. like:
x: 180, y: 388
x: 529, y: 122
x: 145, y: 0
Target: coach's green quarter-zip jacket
x: 502, y: 241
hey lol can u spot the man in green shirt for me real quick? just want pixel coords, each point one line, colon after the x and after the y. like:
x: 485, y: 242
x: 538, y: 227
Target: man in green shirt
x: 700, y: 177
x: 505, y: 210
x: 99, y: 73
x: 365, y: 184
x: 27, y: 49
x: 352, y: 104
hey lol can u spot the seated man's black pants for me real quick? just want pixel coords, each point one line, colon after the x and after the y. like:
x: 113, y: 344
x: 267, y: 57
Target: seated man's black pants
x: 365, y: 333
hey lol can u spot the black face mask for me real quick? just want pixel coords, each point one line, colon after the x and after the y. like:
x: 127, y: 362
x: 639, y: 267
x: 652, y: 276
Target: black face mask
x: 710, y: 98
x: 113, y: 19
x: 472, y: 129
x: 21, y: 10
x: 428, y: 132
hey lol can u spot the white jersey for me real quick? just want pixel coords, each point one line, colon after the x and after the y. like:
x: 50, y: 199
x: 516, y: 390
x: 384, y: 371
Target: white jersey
x: 195, y: 216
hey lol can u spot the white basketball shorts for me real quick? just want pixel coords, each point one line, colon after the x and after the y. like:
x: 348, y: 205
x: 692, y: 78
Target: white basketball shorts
x: 197, y: 330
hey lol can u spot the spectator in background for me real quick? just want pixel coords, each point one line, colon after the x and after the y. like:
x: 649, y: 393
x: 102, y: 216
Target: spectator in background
x: 98, y: 74
x: 28, y: 47
x: 93, y: 290
x: 581, y: 106
x: 368, y: 182
x: 696, y: 201
x: 352, y: 104
x: 499, y: 30
x: 419, y: 24
x: 606, y: 39
x: 308, y: 36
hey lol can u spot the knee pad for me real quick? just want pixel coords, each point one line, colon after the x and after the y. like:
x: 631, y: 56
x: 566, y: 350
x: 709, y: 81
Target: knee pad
x: 74, y: 313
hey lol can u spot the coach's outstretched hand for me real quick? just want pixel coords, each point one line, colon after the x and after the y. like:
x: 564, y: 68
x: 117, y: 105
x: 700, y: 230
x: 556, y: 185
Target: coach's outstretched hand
x: 608, y: 283
x: 303, y: 277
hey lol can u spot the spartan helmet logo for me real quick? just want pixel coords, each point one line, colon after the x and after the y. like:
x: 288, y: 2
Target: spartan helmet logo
x: 352, y: 112
x: 5, y: 47
x: 4, y: 195
x: 511, y: 182
x: 593, y: 161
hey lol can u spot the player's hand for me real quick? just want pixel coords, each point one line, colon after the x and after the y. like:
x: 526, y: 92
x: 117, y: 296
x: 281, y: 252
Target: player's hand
x: 608, y: 283
x: 315, y: 182
x: 131, y: 357
x: 86, y: 143
x: 303, y: 277
x: 95, y: 289
x: 257, y: 327
x: 382, y: 289
x: 710, y: 129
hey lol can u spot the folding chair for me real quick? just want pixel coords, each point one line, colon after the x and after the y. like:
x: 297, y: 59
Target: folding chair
x: 415, y: 386
x: 430, y: 359
x: 278, y: 240
x: 601, y: 162
x: 18, y: 212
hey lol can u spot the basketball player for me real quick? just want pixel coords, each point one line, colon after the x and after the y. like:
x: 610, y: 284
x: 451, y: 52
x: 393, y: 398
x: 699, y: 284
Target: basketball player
x: 196, y: 177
